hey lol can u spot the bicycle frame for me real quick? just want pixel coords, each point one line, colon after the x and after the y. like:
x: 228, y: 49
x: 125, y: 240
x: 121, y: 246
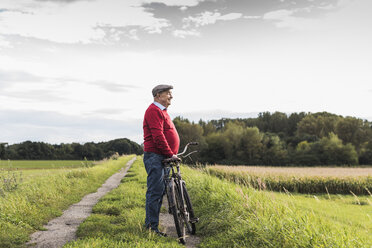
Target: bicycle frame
x: 177, y: 176
x: 172, y: 177
x: 175, y: 192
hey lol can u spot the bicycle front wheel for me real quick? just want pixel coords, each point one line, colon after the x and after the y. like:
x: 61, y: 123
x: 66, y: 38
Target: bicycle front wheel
x: 176, y: 210
x: 189, y: 223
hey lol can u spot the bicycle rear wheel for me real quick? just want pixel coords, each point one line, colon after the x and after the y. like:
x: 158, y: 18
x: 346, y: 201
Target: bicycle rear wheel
x: 190, y: 225
x: 177, y: 212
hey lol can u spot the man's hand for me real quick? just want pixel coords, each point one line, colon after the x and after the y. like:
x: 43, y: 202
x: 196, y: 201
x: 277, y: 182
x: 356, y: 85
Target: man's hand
x: 174, y: 158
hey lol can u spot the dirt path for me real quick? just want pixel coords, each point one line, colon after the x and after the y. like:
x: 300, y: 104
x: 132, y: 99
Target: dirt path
x: 167, y: 222
x: 63, y: 229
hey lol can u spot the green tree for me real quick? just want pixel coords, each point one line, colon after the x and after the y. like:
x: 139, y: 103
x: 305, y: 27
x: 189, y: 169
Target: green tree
x: 232, y: 142
x: 352, y: 130
x: 293, y: 121
x: 252, y: 145
x: 190, y: 132
x: 305, y: 154
x: 274, y: 151
x: 2, y: 150
x: 214, y: 151
x: 319, y: 124
x: 365, y: 157
x: 334, y: 152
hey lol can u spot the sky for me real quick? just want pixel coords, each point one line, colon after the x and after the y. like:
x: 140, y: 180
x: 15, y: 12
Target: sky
x: 83, y: 70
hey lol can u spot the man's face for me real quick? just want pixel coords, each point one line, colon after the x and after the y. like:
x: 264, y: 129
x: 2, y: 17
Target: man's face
x: 164, y: 98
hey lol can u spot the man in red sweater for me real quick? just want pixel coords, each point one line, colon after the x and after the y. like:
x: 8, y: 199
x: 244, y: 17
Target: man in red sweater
x: 161, y: 141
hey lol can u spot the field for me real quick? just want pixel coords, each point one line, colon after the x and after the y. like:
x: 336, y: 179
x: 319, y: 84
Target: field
x: 231, y: 215
x: 311, y: 180
x: 339, y: 172
x: 43, y: 164
x: 32, y: 197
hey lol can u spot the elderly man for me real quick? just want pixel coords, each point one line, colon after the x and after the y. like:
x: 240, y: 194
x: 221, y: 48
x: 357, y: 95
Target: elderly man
x: 161, y: 141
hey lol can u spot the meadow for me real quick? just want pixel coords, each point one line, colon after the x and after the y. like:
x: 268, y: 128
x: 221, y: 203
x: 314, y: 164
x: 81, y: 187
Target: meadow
x: 31, y: 203
x: 43, y: 164
x: 231, y: 215
x: 308, y: 180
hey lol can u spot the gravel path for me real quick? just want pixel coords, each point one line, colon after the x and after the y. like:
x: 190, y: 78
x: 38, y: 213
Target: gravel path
x: 63, y: 229
x: 167, y: 222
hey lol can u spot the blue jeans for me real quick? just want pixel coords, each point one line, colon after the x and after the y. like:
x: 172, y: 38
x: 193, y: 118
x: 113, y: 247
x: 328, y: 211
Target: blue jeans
x: 155, y: 188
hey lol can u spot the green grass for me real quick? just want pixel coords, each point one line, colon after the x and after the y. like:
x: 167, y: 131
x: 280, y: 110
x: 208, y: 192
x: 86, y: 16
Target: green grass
x: 43, y: 164
x: 118, y: 218
x: 237, y: 216
x: 343, y: 210
x: 26, y: 175
x: 297, y: 183
x: 27, y: 208
x: 231, y: 215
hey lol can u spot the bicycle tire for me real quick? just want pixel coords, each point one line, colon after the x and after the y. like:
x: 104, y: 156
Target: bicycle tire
x: 191, y: 228
x: 177, y: 214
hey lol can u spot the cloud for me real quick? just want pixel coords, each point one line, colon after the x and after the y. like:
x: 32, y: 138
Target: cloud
x: 252, y: 17
x: 52, y: 127
x: 185, y: 3
x: 208, y: 18
x: 231, y: 16
x: 25, y: 88
x: 66, y: 1
x: 39, y: 95
x: 286, y: 19
x: 11, y: 78
x: 75, y: 22
x: 192, y: 24
x: 108, y: 111
x: 18, y: 76
x: 184, y: 33
x: 113, y: 87
x: 278, y: 14
x: 4, y: 43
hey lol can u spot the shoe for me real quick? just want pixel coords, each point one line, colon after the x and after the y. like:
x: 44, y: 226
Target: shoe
x: 157, y: 232
x: 161, y: 234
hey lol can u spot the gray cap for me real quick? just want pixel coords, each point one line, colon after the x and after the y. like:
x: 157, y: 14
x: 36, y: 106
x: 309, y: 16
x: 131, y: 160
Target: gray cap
x: 160, y: 88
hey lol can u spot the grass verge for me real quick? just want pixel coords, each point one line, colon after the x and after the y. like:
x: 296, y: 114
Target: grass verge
x: 30, y: 206
x: 236, y: 216
x: 118, y: 218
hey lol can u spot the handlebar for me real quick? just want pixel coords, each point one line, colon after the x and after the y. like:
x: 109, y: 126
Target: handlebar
x: 188, y: 144
x: 169, y: 160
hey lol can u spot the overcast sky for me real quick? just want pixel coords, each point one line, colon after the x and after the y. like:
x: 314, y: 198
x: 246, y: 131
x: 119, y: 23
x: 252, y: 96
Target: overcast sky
x: 83, y: 70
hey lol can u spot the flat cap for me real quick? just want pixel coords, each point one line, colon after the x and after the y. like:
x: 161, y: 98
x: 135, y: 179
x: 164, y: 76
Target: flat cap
x: 160, y: 88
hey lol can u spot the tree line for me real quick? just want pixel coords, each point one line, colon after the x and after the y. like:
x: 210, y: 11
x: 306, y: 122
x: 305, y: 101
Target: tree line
x: 75, y: 151
x: 281, y: 139
x: 269, y: 139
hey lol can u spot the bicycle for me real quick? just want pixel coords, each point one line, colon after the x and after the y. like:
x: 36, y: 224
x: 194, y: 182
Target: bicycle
x: 178, y: 198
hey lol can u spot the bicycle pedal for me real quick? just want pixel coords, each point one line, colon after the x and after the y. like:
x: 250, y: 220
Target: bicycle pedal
x: 194, y: 220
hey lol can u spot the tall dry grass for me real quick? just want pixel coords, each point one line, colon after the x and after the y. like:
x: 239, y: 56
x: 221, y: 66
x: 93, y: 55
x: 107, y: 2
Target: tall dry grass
x: 299, y: 179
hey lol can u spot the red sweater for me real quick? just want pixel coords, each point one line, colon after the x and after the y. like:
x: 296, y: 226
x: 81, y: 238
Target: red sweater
x: 159, y: 132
